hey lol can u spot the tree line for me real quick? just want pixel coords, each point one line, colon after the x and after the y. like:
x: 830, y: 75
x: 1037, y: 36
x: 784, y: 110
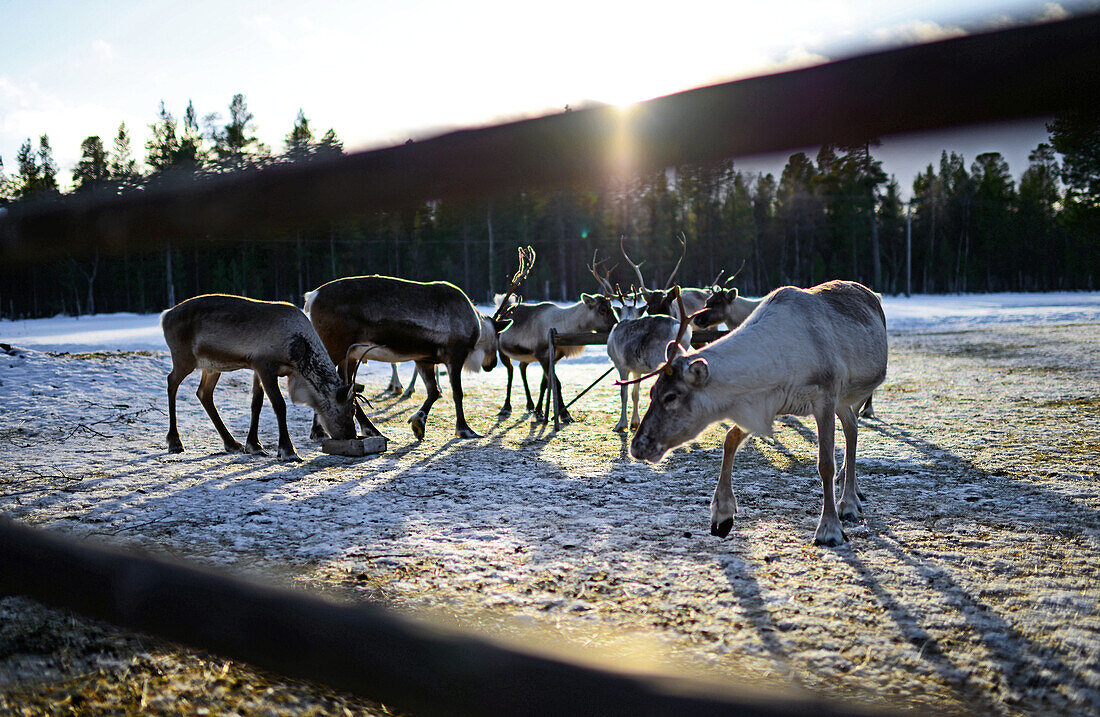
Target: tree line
x: 968, y: 227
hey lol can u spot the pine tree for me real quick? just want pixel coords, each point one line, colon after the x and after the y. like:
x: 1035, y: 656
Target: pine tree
x: 27, y: 176
x: 330, y: 145
x: 47, y: 167
x: 93, y: 167
x: 162, y: 146
x: 236, y: 144
x: 189, y: 154
x: 123, y: 167
x: 1037, y: 222
x: 300, y: 144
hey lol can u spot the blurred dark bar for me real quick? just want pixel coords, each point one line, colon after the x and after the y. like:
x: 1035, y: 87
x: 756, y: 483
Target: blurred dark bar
x: 358, y: 648
x: 1021, y: 72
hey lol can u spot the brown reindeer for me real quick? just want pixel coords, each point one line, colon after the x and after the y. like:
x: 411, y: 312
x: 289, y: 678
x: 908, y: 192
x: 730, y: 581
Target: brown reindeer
x: 388, y: 319
x: 217, y: 332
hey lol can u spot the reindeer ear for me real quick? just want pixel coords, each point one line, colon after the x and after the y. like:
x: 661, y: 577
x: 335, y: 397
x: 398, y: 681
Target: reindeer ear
x: 731, y: 294
x: 501, y: 324
x: 344, y: 393
x: 590, y: 299
x: 697, y: 373
x: 673, y: 351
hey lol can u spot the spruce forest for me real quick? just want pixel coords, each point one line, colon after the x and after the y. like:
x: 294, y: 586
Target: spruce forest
x: 973, y: 226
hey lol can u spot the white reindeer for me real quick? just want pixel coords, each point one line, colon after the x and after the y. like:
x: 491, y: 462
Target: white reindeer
x: 526, y: 340
x: 218, y: 332
x: 637, y: 347
x: 819, y: 351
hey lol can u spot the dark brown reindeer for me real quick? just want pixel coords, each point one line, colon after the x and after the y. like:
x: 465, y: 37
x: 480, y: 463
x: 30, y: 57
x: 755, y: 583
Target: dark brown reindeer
x: 819, y: 351
x: 389, y: 319
x: 217, y: 332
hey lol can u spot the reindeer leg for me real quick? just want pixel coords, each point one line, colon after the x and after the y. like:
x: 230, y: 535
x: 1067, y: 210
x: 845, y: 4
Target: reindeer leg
x: 506, y: 409
x: 454, y: 371
x: 395, y: 387
x: 252, y: 443
x: 175, y: 378
x: 723, y: 506
x: 420, y: 418
x: 527, y: 390
x: 828, y: 531
x: 409, y: 390
x: 621, y: 425
x: 539, y: 415
x: 206, y: 397
x: 634, y: 420
x: 850, y: 506
x: 270, y: 381
x: 868, y: 411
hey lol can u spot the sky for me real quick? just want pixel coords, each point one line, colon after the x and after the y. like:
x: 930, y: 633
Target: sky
x: 381, y: 72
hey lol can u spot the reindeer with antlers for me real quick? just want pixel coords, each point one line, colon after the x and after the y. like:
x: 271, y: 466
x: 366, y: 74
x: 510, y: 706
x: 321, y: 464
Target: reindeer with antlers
x: 527, y: 341
x: 663, y: 301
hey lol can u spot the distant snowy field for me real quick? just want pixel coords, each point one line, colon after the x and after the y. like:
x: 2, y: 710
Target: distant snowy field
x: 141, y: 332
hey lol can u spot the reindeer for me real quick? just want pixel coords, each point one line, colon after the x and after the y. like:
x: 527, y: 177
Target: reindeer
x: 217, y: 333
x: 395, y: 320
x: 819, y: 351
x: 663, y: 302
x: 637, y: 347
x: 527, y: 340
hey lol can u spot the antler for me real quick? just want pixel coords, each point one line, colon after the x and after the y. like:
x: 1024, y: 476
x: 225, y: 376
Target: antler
x: 358, y: 361
x: 605, y: 280
x: 683, y: 253
x: 526, y: 261
x: 734, y: 276
x: 637, y: 267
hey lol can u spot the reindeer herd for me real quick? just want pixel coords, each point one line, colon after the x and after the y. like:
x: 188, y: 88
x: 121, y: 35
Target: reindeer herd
x: 817, y: 352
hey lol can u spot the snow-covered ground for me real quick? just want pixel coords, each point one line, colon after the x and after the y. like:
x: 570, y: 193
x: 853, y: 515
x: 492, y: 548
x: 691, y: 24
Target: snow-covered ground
x: 971, y: 583
x: 141, y: 332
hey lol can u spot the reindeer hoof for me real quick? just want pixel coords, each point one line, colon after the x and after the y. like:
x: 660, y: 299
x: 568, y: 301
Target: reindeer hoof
x: 466, y: 433
x: 255, y: 449
x: 722, y: 529
x: 289, y: 456
x: 175, y: 448
x: 619, y: 427
x: 565, y: 418
x: 830, y: 539
x: 234, y: 447
x: 504, y: 413
x: 417, y: 423
x: 317, y: 435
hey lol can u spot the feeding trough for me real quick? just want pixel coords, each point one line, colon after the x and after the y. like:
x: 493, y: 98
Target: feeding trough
x: 354, y: 447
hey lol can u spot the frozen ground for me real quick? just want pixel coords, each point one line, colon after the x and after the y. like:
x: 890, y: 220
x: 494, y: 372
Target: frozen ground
x: 972, y: 583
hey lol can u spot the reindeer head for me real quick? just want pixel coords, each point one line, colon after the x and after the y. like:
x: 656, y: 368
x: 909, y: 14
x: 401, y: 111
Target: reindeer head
x: 677, y: 405
x: 716, y: 309
x: 334, y: 403
x: 484, y: 355
x: 601, y: 314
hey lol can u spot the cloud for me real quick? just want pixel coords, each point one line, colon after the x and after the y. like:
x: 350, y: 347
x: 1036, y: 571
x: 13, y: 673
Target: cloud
x: 1052, y: 12
x: 103, y: 49
x: 915, y: 32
